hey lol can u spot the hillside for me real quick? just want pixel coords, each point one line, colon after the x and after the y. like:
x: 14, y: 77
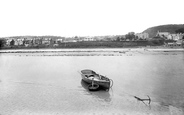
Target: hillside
x: 171, y: 28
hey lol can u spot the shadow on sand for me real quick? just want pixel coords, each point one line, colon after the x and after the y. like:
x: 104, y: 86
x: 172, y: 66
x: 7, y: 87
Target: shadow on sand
x: 100, y: 94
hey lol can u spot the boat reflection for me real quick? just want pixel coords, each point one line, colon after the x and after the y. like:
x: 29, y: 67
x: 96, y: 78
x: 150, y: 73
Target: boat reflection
x: 100, y: 95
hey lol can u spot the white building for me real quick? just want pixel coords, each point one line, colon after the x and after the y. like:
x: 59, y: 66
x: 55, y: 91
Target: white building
x: 175, y: 36
x: 162, y: 34
x: 142, y: 35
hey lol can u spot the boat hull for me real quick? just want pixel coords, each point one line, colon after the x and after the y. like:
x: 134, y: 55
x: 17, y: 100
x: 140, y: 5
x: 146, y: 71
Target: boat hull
x: 104, y: 84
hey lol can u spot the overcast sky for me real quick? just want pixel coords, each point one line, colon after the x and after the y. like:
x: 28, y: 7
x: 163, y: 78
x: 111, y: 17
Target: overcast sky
x: 86, y: 17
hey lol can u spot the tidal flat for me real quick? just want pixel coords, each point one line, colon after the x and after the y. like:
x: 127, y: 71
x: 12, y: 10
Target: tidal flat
x: 47, y: 81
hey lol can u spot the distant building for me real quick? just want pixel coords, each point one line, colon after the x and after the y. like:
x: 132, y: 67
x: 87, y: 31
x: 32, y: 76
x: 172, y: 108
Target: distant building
x: 58, y: 40
x: 46, y: 41
x: 20, y: 41
x: 142, y: 35
x: 175, y: 37
x: 175, y: 44
x: 162, y: 34
x: 88, y: 39
x: 8, y: 40
x: 72, y: 39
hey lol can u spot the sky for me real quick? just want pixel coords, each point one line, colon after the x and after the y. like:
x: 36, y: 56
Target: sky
x: 86, y: 17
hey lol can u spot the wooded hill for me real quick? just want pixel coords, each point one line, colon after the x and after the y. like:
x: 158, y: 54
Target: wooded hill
x: 171, y: 28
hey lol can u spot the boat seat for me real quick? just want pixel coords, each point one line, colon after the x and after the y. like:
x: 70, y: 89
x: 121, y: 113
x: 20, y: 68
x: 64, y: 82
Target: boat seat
x: 89, y: 75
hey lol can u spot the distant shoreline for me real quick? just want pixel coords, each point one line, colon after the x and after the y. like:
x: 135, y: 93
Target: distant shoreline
x: 52, y: 50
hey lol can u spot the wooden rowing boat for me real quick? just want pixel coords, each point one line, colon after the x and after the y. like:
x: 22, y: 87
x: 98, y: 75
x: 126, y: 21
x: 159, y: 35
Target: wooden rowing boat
x: 91, y: 77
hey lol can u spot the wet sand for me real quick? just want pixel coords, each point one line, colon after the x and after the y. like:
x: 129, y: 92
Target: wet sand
x: 47, y: 82
x: 91, y: 52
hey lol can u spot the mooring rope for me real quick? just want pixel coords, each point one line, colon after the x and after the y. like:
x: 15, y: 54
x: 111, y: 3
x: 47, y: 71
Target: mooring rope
x: 111, y: 81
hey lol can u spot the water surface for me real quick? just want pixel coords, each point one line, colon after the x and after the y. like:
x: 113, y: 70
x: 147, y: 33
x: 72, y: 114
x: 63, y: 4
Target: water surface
x: 42, y: 83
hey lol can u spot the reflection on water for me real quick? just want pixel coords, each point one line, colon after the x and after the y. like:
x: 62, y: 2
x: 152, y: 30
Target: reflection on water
x: 100, y: 95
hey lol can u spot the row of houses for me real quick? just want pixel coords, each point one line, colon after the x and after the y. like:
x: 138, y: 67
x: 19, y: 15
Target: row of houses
x: 31, y: 41
x: 46, y: 40
x: 166, y: 35
x: 169, y: 36
x: 179, y: 43
x: 54, y: 41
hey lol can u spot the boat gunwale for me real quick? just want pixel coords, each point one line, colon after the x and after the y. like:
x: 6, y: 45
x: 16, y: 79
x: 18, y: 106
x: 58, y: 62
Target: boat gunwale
x: 107, y: 80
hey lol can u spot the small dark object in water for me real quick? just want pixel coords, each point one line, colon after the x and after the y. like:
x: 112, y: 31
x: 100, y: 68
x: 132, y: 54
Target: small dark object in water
x: 93, y: 87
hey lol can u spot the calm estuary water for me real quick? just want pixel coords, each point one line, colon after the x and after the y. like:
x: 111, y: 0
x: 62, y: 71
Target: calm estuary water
x: 50, y: 83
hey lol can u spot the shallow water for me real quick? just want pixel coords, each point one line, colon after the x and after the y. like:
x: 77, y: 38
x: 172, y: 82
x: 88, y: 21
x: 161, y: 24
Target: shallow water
x: 50, y: 83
